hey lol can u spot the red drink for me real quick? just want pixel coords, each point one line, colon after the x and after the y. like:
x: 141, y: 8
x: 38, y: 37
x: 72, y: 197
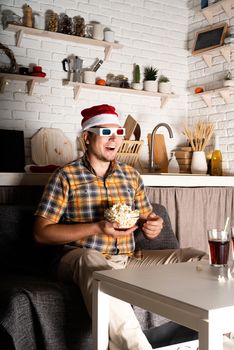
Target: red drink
x: 219, y: 251
x: 233, y: 247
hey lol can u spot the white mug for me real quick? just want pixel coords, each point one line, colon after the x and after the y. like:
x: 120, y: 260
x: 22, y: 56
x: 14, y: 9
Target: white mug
x: 89, y: 77
x: 109, y: 36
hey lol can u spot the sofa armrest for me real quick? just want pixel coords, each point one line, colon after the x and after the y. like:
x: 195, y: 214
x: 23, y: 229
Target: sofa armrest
x: 165, y: 240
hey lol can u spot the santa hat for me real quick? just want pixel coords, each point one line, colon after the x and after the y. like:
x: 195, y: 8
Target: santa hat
x: 99, y: 115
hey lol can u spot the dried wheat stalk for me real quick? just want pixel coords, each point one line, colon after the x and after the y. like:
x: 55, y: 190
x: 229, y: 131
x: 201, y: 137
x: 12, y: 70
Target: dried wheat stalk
x: 200, y: 136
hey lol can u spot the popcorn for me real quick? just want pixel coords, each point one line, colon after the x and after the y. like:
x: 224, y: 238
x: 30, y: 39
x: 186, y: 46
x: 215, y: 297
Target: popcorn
x: 122, y: 214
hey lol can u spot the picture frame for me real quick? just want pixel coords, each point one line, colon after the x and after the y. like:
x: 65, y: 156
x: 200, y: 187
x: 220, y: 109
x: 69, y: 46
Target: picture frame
x: 209, y: 38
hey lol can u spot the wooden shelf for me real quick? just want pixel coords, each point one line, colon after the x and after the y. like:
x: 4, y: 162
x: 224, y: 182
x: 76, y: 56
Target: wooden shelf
x: 215, y: 9
x: 224, y: 50
x: 78, y: 86
x: 21, y: 31
x: 30, y: 81
x: 224, y: 92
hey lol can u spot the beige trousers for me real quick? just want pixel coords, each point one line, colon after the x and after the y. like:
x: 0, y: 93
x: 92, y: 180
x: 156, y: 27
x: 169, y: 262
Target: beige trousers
x: 78, y: 265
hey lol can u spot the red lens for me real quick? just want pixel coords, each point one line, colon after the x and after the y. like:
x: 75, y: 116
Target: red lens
x: 120, y: 131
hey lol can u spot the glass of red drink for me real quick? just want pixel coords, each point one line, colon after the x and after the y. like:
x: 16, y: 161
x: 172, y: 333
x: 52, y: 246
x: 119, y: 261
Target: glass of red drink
x: 232, y: 236
x: 219, y: 244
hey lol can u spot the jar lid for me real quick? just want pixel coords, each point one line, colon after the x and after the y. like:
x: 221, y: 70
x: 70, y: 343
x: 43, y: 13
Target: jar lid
x: 37, y: 69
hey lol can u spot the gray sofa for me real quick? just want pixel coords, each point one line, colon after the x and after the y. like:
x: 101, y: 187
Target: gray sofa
x: 36, y: 310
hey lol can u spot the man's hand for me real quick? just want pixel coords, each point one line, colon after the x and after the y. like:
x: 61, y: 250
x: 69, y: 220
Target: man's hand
x: 112, y: 229
x: 152, y: 226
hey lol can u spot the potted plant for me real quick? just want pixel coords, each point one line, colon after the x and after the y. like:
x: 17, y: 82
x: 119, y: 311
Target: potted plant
x: 228, y: 80
x: 150, y: 79
x: 136, y: 85
x: 164, y: 85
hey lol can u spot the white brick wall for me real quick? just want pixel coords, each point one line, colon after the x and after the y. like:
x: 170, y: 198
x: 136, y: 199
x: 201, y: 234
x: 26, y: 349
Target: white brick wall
x: 152, y: 32
x: 200, y: 74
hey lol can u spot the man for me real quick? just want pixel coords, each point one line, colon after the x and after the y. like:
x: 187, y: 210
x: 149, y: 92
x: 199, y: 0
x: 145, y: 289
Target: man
x: 78, y: 194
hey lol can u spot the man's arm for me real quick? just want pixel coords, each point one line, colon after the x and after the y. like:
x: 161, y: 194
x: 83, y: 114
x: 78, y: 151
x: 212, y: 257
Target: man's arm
x: 48, y: 232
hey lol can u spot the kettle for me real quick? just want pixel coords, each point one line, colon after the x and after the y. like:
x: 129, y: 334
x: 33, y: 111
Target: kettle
x: 73, y: 65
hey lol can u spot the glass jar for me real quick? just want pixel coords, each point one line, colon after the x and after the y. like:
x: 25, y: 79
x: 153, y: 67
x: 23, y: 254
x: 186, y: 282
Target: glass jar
x: 65, y: 24
x: 52, y: 24
x: 78, y: 26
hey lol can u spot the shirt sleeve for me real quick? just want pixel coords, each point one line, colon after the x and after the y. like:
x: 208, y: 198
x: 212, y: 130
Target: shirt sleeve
x: 55, y: 197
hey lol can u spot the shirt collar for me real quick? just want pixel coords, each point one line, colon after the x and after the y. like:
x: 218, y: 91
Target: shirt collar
x: 113, y: 165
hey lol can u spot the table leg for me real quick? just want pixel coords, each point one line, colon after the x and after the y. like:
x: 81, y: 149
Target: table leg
x: 210, y: 337
x: 100, y: 317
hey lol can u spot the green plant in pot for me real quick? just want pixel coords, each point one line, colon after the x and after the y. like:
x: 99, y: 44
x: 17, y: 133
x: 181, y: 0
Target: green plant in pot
x: 164, y: 85
x: 137, y: 85
x: 150, y: 79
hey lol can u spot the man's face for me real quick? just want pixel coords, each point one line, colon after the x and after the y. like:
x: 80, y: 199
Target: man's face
x: 102, y: 148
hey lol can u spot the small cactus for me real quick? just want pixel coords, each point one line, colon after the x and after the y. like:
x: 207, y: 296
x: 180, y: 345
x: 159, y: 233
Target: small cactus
x: 137, y: 74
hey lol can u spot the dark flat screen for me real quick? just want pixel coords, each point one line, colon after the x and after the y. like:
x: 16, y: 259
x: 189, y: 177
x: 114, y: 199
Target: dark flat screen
x: 12, y: 155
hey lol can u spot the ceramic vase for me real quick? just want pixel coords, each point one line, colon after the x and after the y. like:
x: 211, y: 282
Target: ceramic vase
x: 164, y: 88
x: 137, y: 86
x: 199, y: 164
x: 150, y: 85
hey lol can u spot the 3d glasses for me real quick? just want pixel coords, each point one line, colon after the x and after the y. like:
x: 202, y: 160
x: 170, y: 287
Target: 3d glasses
x: 108, y: 131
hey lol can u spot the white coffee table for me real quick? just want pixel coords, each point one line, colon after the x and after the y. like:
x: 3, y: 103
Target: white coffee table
x: 186, y: 293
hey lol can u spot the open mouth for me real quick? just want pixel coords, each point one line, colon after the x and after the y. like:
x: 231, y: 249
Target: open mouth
x: 110, y: 148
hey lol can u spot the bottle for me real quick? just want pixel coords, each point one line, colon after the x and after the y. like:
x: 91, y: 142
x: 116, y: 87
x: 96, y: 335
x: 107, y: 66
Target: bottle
x: 27, y: 18
x: 216, y: 160
x: 173, y: 166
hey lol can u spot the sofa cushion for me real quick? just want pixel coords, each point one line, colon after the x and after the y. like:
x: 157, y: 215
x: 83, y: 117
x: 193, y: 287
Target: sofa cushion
x: 165, y: 240
x: 43, y: 313
x: 17, y: 249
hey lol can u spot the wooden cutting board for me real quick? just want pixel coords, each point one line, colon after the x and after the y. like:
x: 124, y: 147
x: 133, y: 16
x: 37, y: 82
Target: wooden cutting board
x: 132, y: 128
x: 51, y: 146
x: 160, y: 151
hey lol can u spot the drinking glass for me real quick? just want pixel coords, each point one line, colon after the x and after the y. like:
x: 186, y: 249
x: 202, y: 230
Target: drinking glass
x: 219, y: 244
x: 232, y: 243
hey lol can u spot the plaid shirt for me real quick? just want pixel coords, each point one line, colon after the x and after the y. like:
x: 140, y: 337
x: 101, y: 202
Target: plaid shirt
x: 76, y: 194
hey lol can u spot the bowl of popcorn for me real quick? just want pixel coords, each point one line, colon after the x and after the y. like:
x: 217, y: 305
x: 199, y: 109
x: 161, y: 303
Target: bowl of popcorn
x: 123, y: 215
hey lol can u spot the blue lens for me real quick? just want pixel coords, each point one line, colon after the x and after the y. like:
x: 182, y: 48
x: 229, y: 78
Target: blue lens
x: 106, y: 132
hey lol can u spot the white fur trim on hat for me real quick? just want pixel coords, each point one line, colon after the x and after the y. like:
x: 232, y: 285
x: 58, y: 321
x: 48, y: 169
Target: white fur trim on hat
x: 100, y: 120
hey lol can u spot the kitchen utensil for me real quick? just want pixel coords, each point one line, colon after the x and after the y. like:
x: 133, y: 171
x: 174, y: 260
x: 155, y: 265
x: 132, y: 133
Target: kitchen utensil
x: 73, y: 65
x: 160, y: 151
x: 132, y: 128
x: 97, y: 65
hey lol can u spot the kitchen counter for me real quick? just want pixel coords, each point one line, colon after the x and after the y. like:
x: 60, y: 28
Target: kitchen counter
x: 181, y: 180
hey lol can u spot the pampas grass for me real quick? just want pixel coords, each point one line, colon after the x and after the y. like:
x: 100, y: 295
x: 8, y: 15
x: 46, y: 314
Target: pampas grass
x: 200, y: 136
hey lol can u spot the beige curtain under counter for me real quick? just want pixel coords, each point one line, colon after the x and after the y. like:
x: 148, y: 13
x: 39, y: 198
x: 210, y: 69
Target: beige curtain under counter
x: 193, y: 210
